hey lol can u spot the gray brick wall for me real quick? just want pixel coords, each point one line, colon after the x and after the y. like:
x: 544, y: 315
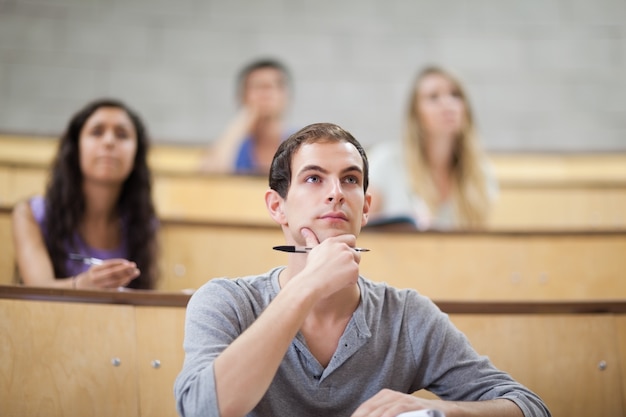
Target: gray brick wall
x: 547, y: 75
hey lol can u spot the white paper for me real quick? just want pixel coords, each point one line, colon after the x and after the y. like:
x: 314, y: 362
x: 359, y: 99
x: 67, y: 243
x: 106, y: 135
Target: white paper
x: 422, y: 413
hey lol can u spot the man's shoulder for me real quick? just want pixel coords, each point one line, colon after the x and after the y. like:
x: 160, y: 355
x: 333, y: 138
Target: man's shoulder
x: 382, y: 292
x: 235, y: 285
x: 387, y: 302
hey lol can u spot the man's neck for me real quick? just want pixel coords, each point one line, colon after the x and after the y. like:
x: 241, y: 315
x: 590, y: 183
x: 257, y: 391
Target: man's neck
x: 326, y: 323
x: 340, y: 304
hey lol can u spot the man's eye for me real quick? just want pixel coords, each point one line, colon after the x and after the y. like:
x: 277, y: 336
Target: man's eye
x: 352, y: 180
x: 313, y: 178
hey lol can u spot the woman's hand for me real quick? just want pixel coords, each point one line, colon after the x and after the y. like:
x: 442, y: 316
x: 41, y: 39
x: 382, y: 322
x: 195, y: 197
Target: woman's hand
x: 112, y: 273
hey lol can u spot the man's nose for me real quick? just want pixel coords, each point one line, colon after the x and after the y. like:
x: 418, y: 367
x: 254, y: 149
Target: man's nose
x: 336, y: 191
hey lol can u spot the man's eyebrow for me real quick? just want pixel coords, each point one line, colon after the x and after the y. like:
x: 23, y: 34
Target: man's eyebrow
x: 318, y: 168
x: 313, y: 168
x: 353, y: 168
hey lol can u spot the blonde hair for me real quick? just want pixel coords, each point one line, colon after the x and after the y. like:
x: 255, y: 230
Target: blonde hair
x: 469, y: 189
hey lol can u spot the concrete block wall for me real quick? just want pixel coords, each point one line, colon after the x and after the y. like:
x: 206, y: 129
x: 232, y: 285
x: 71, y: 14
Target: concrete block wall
x: 542, y: 75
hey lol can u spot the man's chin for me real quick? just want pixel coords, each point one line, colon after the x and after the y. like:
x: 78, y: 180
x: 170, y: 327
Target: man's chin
x: 331, y: 233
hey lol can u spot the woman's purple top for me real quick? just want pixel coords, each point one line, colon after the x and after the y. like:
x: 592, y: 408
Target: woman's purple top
x: 38, y: 207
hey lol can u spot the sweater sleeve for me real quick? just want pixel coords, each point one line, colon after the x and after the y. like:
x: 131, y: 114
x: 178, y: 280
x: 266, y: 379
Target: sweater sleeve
x: 454, y: 371
x: 215, y: 317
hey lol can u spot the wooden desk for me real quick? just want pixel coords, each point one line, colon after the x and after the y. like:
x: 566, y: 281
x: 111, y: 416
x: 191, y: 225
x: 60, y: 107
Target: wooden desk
x: 571, y: 361
x: 537, y: 191
x: 89, y: 353
x: 559, y: 207
x: 7, y: 252
x: 510, y: 168
x: 93, y: 352
x: 456, y: 266
x: 39, y: 151
x: 239, y: 200
x: 514, y: 266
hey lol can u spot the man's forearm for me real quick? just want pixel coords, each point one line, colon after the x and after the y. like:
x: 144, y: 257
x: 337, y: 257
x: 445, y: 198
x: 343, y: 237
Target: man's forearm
x: 491, y: 408
x: 244, y: 370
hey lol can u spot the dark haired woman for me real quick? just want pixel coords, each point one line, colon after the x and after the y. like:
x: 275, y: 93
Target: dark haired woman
x: 96, y: 226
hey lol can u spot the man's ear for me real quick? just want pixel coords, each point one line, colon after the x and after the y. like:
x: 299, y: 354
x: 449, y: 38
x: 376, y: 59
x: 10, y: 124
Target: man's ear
x: 366, y: 209
x: 275, y: 205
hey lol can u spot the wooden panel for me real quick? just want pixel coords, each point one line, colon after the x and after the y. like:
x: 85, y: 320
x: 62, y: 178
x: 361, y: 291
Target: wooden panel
x: 17, y: 183
x: 556, y: 356
x: 541, y: 208
x: 40, y: 151
x: 228, y: 199
x: 179, y: 159
x: 5, y: 184
x: 489, y: 266
x: 195, y: 253
x: 223, y: 199
x: 7, y: 251
x: 56, y: 359
x: 240, y: 200
x: 510, y: 168
x: 27, y: 182
x: 442, y: 266
x: 538, y: 168
x: 620, y: 324
x: 500, y: 266
x: 236, y: 199
x: 27, y: 150
x: 160, y: 332
x: 59, y: 355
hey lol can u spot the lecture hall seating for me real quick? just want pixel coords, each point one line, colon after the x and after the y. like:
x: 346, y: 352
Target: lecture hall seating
x: 542, y: 292
x: 103, y: 353
x: 537, y: 191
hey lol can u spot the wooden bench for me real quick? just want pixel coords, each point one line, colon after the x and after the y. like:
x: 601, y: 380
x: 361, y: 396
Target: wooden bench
x: 89, y: 353
x: 537, y: 192
x: 103, y: 353
x: 455, y: 266
x: 511, y: 168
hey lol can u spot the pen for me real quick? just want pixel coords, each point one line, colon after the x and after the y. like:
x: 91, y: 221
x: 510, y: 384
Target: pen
x: 304, y: 249
x: 88, y: 260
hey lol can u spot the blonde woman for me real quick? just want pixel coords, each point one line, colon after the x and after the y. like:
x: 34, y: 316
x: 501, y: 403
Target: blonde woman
x: 438, y: 176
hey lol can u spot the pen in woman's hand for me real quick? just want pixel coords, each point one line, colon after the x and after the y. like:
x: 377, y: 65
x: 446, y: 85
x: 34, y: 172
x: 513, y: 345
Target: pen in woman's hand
x: 304, y: 249
x: 88, y: 260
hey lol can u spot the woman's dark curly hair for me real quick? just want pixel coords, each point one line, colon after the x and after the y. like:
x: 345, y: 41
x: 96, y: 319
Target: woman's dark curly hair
x: 65, y: 202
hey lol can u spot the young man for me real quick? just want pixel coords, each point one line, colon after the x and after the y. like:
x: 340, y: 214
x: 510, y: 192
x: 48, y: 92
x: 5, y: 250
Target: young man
x: 248, y: 143
x: 316, y: 339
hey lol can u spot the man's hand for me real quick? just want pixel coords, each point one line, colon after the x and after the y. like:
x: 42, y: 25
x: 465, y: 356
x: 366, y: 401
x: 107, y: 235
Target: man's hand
x: 331, y: 265
x: 388, y: 403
